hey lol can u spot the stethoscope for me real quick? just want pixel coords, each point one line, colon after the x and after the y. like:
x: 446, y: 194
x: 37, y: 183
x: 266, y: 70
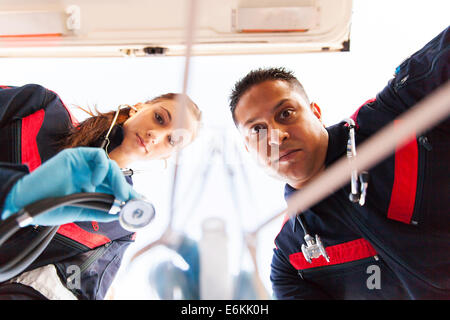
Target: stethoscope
x: 134, y: 215
x: 359, y: 183
x: 105, y: 143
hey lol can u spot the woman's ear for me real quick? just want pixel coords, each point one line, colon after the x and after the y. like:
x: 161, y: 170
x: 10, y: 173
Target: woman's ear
x: 134, y: 109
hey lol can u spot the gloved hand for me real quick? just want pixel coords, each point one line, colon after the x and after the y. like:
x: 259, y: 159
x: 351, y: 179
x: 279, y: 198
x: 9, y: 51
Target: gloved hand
x: 70, y: 171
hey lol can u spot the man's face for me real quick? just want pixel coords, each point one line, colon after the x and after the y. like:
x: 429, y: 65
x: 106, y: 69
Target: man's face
x: 283, y: 131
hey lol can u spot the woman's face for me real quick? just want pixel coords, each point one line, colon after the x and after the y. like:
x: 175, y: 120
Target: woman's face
x: 150, y: 131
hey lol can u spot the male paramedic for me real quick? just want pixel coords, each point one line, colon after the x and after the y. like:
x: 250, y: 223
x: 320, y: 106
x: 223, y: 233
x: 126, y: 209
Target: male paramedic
x: 395, y: 244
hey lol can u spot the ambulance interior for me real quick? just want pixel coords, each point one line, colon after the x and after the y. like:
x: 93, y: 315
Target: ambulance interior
x: 223, y: 207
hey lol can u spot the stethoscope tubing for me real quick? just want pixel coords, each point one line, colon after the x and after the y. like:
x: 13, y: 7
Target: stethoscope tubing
x: 8, y: 227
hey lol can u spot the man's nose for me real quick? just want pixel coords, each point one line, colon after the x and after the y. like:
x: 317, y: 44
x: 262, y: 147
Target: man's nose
x: 277, y: 136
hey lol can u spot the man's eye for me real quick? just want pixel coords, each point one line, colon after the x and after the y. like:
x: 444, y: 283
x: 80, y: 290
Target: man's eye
x: 285, y: 114
x: 159, y: 118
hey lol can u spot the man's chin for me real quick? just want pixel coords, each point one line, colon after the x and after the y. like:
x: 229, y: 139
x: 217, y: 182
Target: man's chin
x: 291, y: 177
x: 277, y: 173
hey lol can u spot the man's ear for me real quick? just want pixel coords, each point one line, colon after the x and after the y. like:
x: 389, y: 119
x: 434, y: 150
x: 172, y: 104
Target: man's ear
x: 316, y: 110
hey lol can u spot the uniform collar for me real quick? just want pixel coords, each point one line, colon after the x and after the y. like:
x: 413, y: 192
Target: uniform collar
x: 337, y: 145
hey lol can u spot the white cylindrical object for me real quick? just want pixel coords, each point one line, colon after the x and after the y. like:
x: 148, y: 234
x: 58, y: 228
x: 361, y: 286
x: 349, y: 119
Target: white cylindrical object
x: 215, y: 277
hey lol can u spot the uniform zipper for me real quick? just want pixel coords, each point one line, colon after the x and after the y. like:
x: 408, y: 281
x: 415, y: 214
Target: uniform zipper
x: 425, y: 147
x: 424, y: 75
x: 89, y: 261
x: 16, y: 142
x: 93, y: 257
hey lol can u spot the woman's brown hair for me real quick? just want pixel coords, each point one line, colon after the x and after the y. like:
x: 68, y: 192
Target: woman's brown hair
x: 92, y: 130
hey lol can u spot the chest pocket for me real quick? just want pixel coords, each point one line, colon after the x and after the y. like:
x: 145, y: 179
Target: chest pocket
x: 367, y: 278
x: 354, y: 272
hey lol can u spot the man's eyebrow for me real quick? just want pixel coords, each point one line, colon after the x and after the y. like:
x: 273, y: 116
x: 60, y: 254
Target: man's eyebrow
x: 168, y: 113
x: 279, y: 104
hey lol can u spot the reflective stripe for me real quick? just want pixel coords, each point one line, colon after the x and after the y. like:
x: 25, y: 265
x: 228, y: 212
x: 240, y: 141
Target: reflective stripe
x: 403, y: 195
x: 30, y: 129
x: 340, y: 253
x: 76, y: 233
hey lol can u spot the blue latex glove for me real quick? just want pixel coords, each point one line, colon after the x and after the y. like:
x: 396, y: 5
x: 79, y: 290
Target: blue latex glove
x: 70, y: 171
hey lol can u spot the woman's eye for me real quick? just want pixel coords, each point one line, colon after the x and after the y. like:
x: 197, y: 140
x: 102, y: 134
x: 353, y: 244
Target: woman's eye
x: 257, y: 129
x: 171, y: 142
x: 174, y: 142
x: 159, y: 118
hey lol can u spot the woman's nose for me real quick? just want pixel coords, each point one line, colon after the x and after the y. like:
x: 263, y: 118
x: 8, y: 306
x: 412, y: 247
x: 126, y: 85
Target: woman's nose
x: 153, y: 137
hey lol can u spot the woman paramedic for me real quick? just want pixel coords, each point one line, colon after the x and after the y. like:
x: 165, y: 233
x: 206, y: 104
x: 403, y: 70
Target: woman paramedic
x: 46, y: 153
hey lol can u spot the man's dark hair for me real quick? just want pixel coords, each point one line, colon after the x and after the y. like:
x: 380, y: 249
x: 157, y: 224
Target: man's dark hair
x: 255, y: 77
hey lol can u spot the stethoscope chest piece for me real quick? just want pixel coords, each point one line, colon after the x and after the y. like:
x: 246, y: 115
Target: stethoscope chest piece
x: 136, y: 214
x: 313, y: 248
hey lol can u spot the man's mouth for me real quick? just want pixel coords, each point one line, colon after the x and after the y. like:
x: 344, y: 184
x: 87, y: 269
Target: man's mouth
x: 288, y: 154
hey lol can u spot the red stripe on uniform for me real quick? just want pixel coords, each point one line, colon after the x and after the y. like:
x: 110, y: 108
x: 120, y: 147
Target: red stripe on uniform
x: 403, y: 195
x: 30, y: 129
x: 90, y: 240
x: 340, y: 253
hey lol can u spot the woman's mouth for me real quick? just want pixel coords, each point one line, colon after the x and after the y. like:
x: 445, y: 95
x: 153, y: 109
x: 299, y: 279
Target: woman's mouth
x: 141, y: 142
